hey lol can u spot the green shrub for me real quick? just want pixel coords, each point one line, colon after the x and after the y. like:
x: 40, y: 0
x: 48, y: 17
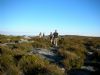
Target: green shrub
x: 5, y: 50
x: 8, y: 66
x: 37, y: 66
x: 71, y: 60
x: 75, y: 63
x: 40, y: 42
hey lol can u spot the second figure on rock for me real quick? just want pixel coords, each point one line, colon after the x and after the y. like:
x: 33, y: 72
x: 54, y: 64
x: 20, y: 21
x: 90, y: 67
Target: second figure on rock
x: 54, y: 38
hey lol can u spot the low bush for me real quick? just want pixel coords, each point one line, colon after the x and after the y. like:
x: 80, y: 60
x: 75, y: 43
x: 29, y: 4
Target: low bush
x: 34, y: 65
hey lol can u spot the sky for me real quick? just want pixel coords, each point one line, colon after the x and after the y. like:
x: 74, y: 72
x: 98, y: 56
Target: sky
x: 68, y: 17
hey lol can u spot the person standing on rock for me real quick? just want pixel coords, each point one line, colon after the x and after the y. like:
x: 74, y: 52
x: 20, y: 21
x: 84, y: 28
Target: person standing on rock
x: 51, y: 38
x: 43, y: 35
x: 40, y: 35
x: 55, y: 37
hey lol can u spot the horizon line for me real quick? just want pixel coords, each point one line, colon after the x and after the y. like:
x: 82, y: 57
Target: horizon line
x: 9, y: 34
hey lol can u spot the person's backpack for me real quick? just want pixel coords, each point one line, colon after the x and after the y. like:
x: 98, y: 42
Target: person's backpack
x: 55, y: 35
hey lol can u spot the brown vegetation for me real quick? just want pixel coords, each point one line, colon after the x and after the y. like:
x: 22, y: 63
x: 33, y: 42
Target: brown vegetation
x: 15, y: 60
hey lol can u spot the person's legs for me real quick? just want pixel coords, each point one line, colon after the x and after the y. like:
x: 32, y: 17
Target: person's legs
x: 51, y: 41
x: 56, y: 41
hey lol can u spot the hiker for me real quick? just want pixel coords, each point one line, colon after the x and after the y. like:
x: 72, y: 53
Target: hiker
x: 51, y: 38
x: 40, y: 35
x: 43, y: 35
x: 55, y: 37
